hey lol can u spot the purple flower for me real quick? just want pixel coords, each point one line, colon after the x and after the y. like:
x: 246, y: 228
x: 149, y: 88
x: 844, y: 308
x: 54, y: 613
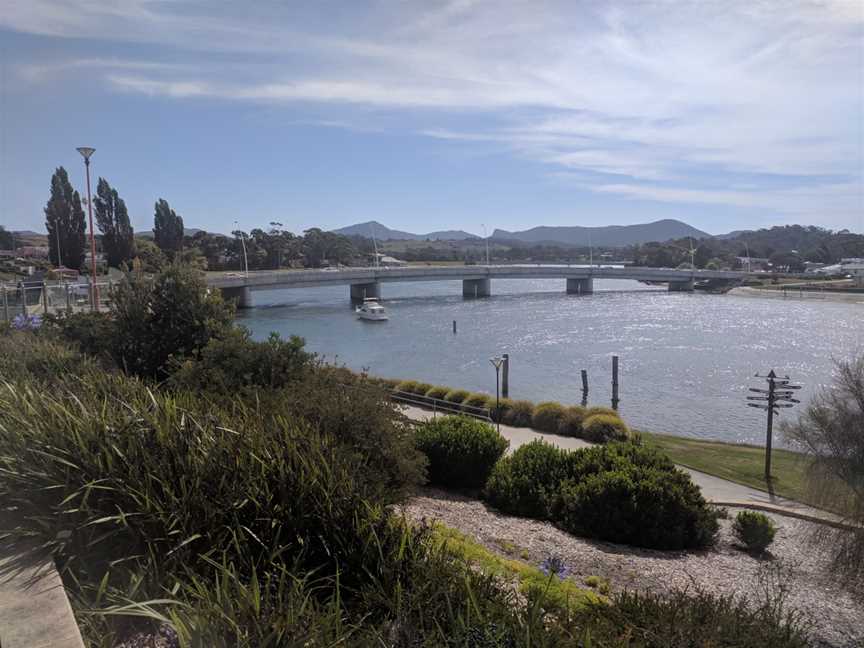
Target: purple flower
x: 26, y: 322
x: 554, y: 566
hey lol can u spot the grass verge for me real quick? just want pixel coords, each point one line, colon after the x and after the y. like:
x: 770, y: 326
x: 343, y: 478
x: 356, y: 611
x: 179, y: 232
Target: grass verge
x: 743, y: 464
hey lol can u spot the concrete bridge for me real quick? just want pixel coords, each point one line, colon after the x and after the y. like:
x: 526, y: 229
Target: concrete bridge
x: 476, y: 280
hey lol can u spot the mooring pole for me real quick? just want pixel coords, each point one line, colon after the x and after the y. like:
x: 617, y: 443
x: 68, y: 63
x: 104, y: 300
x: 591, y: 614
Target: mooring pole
x: 584, y: 387
x: 505, y: 376
x: 615, y: 382
x: 454, y: 327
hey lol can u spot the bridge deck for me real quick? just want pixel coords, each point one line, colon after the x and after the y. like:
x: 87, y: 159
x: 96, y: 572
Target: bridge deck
x: 307, y: 278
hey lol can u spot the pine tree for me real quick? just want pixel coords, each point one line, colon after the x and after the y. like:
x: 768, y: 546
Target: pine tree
x: 113, y: 221
x: 167, y: 229
x: 64, y: 219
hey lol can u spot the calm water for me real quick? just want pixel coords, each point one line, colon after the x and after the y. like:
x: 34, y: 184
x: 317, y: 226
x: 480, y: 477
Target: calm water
x: 686, y: 359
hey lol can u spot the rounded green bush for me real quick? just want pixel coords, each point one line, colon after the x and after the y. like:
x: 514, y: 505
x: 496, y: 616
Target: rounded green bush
x: 438, y: 392
x: 637, y: 506
x: 480, y: 400
x: 755, y: 530
x: 571, y: 423
x: 525, y: 482
x: 457, y: 396
x: 547, y: 417
x: 518, y: 413
x: 601, y: 428
x: 461, y: 450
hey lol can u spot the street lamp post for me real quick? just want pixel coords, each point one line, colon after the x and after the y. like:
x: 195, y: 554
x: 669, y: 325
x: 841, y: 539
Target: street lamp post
x: 243, y: 242
x: 86, y: 152
x: 497, y: 361
x: 486, y: 236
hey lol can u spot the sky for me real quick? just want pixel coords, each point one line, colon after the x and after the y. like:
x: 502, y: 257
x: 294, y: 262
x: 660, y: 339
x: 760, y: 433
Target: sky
x: 450, y: 114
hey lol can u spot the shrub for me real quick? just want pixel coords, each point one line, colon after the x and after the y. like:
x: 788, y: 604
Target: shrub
x: 236, y: 363
x: 407, y: 386
x: 93, y: 333
x: 438, y: 392
x: 40, y: 359
x: 571, y: 423
x: 600, y: 428
x: 480, y: 400
x: 754, y: 530
x: 461, y: 450
x: 637, y: 506
x: 591, y: 411
x: 547, y: 417
x: 389, y: 383
x: 525, y: 483
x: 518, y: 413
x: 421, y: 388
x: 456, y: 396
x: 164, y: 318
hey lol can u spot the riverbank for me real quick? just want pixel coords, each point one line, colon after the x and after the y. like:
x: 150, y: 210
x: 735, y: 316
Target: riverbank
x: 792, y: 294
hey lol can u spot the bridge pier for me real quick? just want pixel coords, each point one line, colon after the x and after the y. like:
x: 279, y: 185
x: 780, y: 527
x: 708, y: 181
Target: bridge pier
x: 580, y: 286
x: 241, y: 295
x: 681, y: 286
x: 476, y: 288
x: 362, y: 291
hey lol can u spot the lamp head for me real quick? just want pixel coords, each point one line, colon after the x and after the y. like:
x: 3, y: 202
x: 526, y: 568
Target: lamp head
x: 86, y: 151
x: 496, y: 362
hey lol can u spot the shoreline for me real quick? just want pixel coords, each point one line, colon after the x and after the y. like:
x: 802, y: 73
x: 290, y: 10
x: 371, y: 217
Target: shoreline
x: 812, y: 296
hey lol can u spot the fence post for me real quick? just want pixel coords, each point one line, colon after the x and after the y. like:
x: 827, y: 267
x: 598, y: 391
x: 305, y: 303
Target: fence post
x: 68, y: 299
x: 23, y: 298
x: 5, y: 305
x: 44, y: 297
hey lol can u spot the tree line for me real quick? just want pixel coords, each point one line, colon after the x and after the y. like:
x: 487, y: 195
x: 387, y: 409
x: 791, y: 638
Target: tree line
x: 272, y: 248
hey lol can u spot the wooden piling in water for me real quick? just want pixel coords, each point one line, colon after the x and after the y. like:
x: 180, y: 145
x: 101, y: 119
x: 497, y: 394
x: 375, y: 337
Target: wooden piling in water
x: 615, y: 382
x: 505, y: 376
x: 454, y: 327
x: 584, y: 387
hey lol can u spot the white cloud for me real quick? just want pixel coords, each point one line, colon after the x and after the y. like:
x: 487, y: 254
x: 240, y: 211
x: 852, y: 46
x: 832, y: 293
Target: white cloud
x: 693, y: 94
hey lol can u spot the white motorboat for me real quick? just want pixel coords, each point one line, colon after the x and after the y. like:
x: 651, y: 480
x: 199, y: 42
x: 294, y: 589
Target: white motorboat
x: 371, y: 310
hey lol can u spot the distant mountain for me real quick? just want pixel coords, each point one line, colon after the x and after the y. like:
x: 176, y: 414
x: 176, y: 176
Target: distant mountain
x: 384, y: 233
x: 610, y: 236
x: 187, y: 231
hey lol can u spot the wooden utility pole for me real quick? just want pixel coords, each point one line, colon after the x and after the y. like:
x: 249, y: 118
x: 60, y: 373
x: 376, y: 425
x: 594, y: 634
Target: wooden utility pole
x: 778, y: 394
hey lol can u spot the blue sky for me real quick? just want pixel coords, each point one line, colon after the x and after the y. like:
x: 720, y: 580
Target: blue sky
x: 435, y: 115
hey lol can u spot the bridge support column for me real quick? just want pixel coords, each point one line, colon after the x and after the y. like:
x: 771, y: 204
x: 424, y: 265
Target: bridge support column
x: 359, y: 292
x: 580, y: 286
x: 681, y: 286
x: 242, y: 295
x: 476, y: 288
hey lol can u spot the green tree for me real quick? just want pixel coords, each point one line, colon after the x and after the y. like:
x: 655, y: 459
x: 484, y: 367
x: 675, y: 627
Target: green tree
x: 113, y: 221
x: 64, y: 220
x: 167, y: 229
x: 166, y: 318
x: 149, y: 255
x: 7, y: 239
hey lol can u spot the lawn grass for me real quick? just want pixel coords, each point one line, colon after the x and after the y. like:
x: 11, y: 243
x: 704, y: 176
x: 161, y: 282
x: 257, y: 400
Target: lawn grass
x: 743, y: 464
x: 564, y: 594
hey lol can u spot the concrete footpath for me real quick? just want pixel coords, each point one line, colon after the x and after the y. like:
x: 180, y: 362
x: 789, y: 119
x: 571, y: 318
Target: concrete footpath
x: 715, y: 489
x: 34, y: 608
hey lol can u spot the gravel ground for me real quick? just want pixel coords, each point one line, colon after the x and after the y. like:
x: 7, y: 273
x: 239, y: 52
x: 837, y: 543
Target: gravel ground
x: 837, y: 617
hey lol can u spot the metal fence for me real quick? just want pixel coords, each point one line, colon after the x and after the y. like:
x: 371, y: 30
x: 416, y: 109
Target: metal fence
x: 42, y: 298
x: 439, y: 406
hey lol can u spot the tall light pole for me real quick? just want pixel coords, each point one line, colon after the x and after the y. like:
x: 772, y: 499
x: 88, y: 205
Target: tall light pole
x: 86, y: 152
x: 486, y: 236
x: 243, y: 242
x: 497, y: 361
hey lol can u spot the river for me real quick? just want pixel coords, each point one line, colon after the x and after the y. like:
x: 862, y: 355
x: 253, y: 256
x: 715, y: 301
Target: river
x: 686, y: 360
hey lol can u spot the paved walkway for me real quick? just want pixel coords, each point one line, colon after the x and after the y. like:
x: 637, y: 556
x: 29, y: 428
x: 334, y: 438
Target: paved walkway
x: 715, y: 489
x: 34, y: 609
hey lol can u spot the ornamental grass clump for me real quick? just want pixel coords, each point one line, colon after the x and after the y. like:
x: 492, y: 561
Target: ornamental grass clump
x: 547, y: 417
x: 438, y: 392
x: 456, y: 396
x: 602, y: 428
x: 571, y: 422
x: 461, y: 450
x: 518, y: 413
x: 480, y: 400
